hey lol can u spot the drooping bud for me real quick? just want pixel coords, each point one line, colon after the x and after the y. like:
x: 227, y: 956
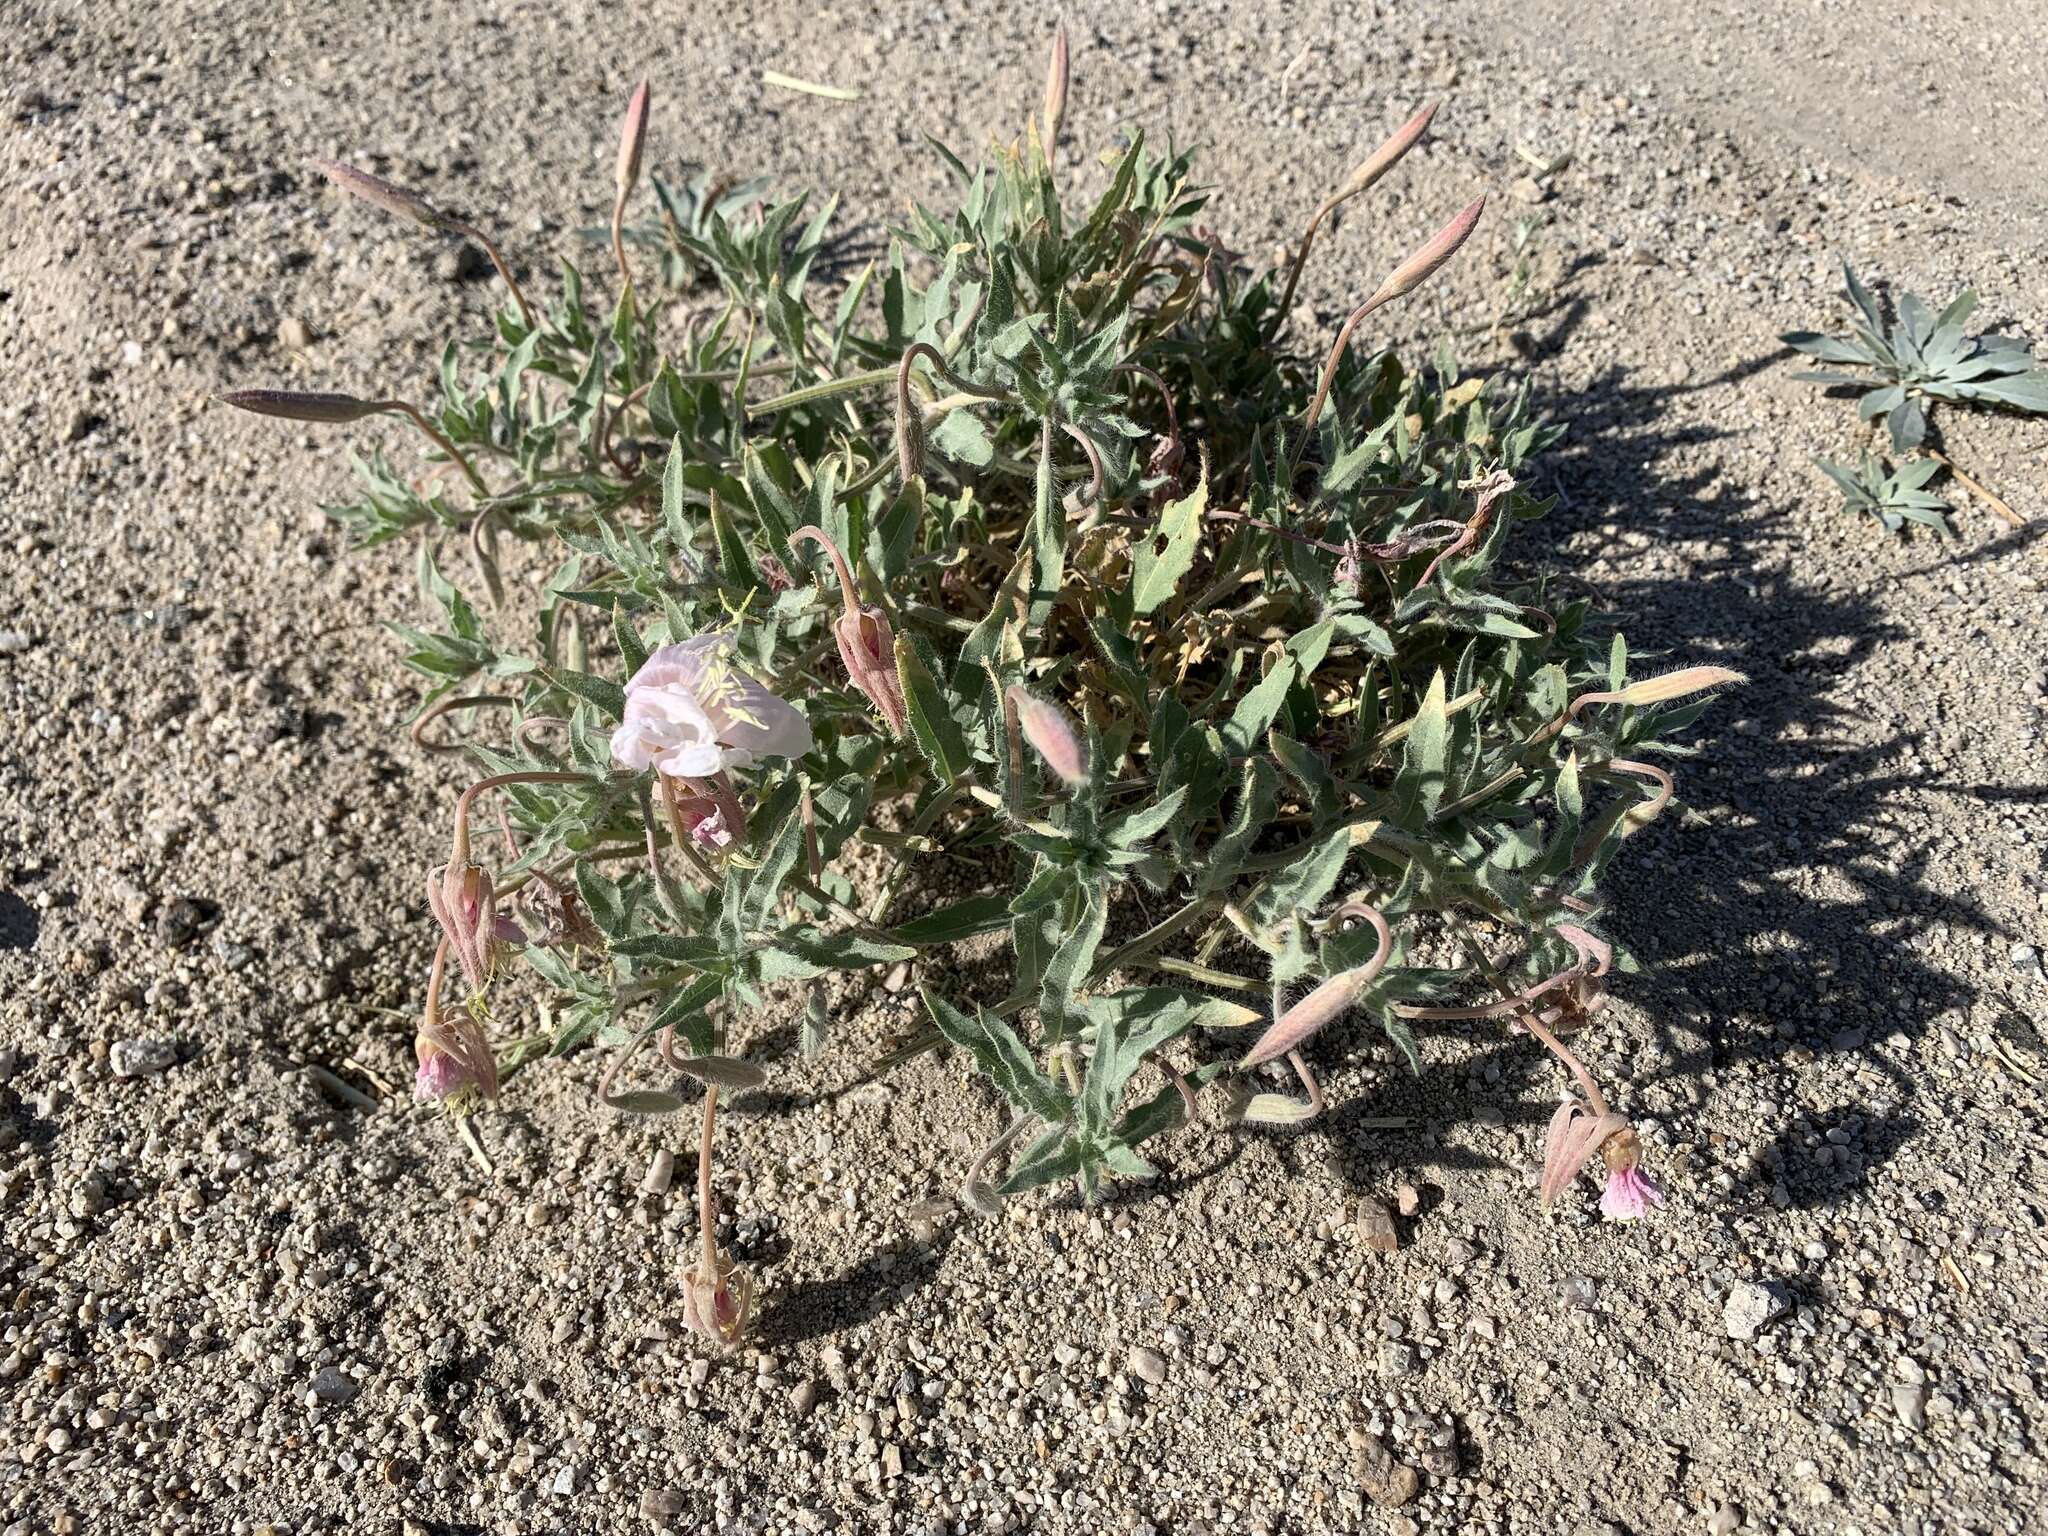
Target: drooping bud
x: 389, y: 196
x: 302, y: 405
x: 1575, y: 1133
x: 866, y: 639
x: 463, y: 900
x: 454, y: 1055
x: 1629, y: 1194
x: 632, y: 140
x: 1329, y: 1001
x: 1052, y: 736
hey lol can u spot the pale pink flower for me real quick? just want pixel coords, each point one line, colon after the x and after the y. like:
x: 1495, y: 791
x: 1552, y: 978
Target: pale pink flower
x: 692, y: 713
x: 867, y: 641
x: 440, y: 1075
x: 1629, y: 1195
x: 704, y: 819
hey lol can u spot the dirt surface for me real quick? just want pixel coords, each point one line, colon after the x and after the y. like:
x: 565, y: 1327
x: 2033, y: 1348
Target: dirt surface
x: 235, y: 1301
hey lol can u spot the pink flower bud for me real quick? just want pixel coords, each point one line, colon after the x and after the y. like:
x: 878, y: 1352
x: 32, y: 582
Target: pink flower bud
x: 389, y: 196
x: 866, y: 639
x: 440, y: 1074
x: 632, y: 140
x: 463, y: 899
x: 1052, y: 737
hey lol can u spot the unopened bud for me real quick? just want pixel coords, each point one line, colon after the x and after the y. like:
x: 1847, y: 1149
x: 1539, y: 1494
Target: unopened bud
x: 1676, y: 685
x: 1383, y: 159
x: 1052, y: 736
x: 1054, y: 111
x: 387, y: 195
x: 1440, y: 248
x: 301, y: 405
x: 632, y: 140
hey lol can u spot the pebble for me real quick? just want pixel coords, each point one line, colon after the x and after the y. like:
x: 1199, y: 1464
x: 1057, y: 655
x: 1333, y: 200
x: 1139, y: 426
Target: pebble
x: 564, y: 1483
x: 13, y: 642
x: 803, y: 1398
x: 295, y: 334
x: 1909, y: 1402
x: 1725, y: 1520
x: 1148, y: 1365
x: 1408, y: 1199
x: 142, y: 1058
x: 1752, y: 1307
x: 661, y: 1503
x: 659, y: 1174
x: 1376, y: 1227
x: 334, y: 1386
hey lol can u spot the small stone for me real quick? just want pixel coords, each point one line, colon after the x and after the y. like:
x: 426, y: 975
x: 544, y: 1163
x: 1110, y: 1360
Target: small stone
x: 1909, y: 1402
x: 1725, y: 1520
x: 13, y: 642
x: 662, y: 1503
x: 1396, y: 1358
x: 659, y: 1173
x: 1376, y: 1227
x: 295, y: 335
x: 334, y: 1386
x: 1752, y: 1307
x: 182, y: 920
x: 564, y: 1483
x: 1385, y: 1481
x: 541, y: 1214
x: 1148, y: 1365
x: 1407, y: 1199
x: 803, y: 1398
x: 1579, y: 1292
x: 142, y: 1058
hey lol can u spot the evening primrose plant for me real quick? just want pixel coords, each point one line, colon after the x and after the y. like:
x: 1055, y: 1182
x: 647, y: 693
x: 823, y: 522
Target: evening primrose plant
x: 1034, y: 548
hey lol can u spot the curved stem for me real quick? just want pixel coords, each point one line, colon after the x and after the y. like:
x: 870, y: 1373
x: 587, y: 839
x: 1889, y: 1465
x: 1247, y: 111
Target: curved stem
x: 498, y: 261
x: 460, y: 855
x: 440, y: 707
x: 707, y: 1210
x: 440, y: 441
x: 1315, y: 409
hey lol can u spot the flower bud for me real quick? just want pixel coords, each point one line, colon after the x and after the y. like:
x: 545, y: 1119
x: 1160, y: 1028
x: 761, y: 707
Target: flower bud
x: 866, y: 639
x: 463, y: 900
x: 1052, y: 737
x: 1441, y: 247
x: 1383, y: 159
x: 1054, y: 110
x: 632, y: 140
x: 301, y: 405
x: 387, y: 195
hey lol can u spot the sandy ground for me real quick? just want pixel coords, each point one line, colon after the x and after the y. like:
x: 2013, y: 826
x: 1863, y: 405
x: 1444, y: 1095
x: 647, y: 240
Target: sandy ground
x: 233, y: 1302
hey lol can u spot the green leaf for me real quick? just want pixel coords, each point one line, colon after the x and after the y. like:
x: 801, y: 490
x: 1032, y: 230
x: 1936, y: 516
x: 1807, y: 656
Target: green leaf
x: 1257, y: 710
x: 1420, y: 784
x: 932, y: 724
x: 1055, y: 1155
x: 962, y: 920
x: 1058, y: 1012
x: 844, y: 951
x: 1306, y: 882
x: 607, y: 697
x: 1135, y: 827
x: 630, y: 646
x: 1168, y: 553
x: 1000, y: 1056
